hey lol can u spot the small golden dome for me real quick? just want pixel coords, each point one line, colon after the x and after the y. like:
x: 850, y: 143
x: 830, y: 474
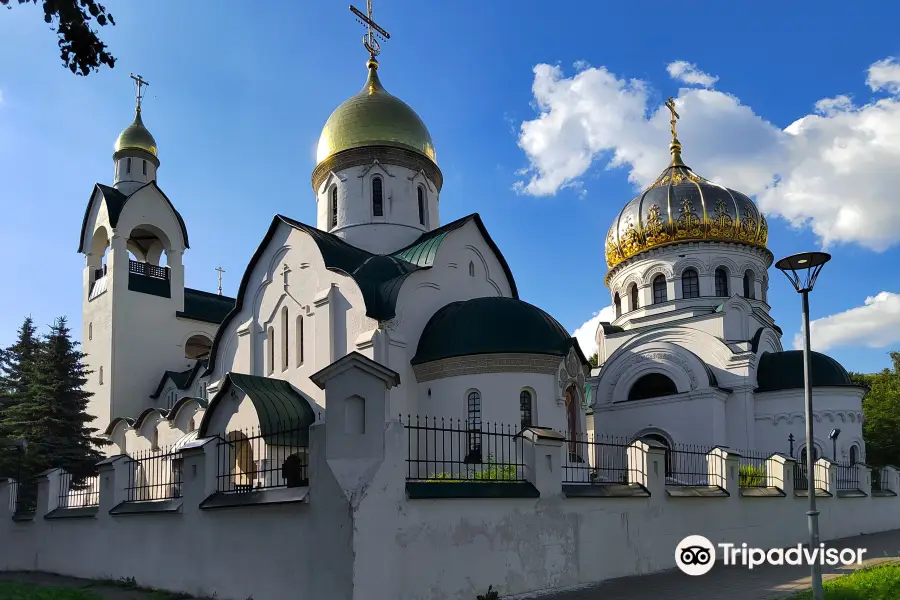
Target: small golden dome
x: 373, y: 117
x: 136, y: 137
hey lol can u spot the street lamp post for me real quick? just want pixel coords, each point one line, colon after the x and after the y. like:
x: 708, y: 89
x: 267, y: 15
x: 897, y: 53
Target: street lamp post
x: 834, y: 436
x: 802, y: 270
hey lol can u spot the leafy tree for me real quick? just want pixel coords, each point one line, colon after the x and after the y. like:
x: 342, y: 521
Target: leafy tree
x: 594, y: 360
x: 881, y: 407
x: 16, y: 370
x: 52, y: 415
x: 80, y: 48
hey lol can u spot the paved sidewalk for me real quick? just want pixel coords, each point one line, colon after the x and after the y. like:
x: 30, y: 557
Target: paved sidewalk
x: 728, y: 583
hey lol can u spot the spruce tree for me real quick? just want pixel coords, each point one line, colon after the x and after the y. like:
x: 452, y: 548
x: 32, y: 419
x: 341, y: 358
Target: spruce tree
x: 16, y: 374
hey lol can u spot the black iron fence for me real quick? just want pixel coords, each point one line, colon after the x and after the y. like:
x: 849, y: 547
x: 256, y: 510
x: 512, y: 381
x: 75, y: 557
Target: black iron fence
x: 801, y: 481
x: 442, y: 449
x: 23, y: 496
x: 753, y: 469
x: 597, y: 459
x: 691, y: 465
x: 264, y: 457
x: 155, y: 475
x: 846, y: 476
x: 78, y: 493
x: 881, y: 480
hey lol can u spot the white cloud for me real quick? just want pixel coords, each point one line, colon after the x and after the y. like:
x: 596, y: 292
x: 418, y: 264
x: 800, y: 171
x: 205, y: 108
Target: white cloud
x: 585, y: 334
x: 876, y: 324
x: 833, y: 170
x: 688, y: 73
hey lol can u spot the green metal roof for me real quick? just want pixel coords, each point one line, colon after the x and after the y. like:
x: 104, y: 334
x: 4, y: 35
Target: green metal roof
x: 181, y: 379
x: 205, y: 306
x: 280, y: 408
x: 784, y: 371
x: 492, y: 325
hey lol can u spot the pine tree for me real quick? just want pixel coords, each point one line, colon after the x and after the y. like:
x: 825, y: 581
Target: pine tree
x: 16, y: 373
x: 52, y: 415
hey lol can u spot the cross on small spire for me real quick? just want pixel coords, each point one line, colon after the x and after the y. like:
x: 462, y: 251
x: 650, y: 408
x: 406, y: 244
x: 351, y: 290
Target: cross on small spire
x: 220, y: 270
x: 373, y: 30
x: 141, y: 83
x: 670, y: 104
x: 284, y: 273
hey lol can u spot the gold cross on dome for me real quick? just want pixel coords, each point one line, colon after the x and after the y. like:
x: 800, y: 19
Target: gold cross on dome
x: 141, y: 83
x: 670, y: 104
x: 373, y: 30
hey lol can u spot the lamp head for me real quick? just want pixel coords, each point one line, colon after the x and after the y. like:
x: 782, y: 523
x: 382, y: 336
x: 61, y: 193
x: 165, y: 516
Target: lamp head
x: 834, y: 433
x: 803, y: 269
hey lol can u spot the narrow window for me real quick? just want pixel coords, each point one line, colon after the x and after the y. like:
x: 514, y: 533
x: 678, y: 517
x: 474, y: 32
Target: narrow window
x: 154, y: 439
x: 525, y: 408
x: 90, y: 331
x: 421, y: 205
x: 473, y: 426
x: 204, y: 392
x: 659, y: 289
x: 618, y: 303
x: 721, y: 283
x: 284, y: 338
x: 471, y: 269
x: 270, y: 348
x: 764, y: 284
x: 633, y: 296
x: 748, y: 284
x: 854, y: 454
x: 191, y: 425
x: 101, y: 376
x: 144, y: 166
x: 300, y: 342
x: 128, y: 166
x: 690, y: 284
x: 334, y: 206
x: 377, y: 197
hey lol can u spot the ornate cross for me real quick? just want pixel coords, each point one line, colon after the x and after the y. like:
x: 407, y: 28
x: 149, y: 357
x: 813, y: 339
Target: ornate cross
x: 220, y: 270
x: 141, y: 82
x: 284, y: 273
x: 670, y: 104
x: 373, y: 30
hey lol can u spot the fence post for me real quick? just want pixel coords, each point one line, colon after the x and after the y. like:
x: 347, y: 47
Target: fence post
x: 199, y: 473
x: 647, y: 466
x: 724, y: 469
x: 825, y: 476
x: 543, y: 459
x: 890, y: 473
x: 780, y: 473
x: 864, y: 478
x: 48, y: 484
x: 113, y: 481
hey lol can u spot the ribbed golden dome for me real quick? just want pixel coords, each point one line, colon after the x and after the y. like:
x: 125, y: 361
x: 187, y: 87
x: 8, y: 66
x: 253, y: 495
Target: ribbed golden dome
x: 374, y: 117
x: 136, y: 137
x: 680, y: 206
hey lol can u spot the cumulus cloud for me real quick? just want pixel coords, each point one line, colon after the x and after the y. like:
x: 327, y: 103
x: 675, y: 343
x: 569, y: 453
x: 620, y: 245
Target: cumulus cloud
x: 688, y: 73
x: 876, y: 324
x: 585, y: 334
x: 833, y: 170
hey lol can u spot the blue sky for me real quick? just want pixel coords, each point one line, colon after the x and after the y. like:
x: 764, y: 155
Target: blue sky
x: 238, y: 97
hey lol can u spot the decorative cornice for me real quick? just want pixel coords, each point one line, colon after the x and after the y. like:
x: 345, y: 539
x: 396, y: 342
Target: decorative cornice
x: 385, y: 155
x: 489, y: 363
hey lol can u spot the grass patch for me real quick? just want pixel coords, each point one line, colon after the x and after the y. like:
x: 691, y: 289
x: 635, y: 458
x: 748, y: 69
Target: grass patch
x: 881, y: 582
x: 10, y: 590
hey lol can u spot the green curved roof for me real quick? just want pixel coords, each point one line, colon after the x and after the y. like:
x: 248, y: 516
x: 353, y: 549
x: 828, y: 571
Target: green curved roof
x: 784, y: 371
x: 492, y: 325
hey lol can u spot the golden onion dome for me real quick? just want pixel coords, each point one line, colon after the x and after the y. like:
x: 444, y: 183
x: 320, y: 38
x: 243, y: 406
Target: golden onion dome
x: 136, y: 137
x: 373, y: 117
x: 680, y: 206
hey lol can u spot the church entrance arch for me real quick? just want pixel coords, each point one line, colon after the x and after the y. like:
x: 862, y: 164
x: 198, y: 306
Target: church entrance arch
x: 240, y: 460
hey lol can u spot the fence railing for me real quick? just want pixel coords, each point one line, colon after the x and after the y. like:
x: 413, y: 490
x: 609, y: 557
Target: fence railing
x: 155, y: 475
x: 846, y: 477
x: 691, y: 465
x: 596, y: 459
x: 258, y: 458
x: 441, y: 449
x: 78, y: 493
x: 880, y: 480
x: 23, y: 496
x: 752, y: 469
x: 155, y: 271
x: 800, y: 477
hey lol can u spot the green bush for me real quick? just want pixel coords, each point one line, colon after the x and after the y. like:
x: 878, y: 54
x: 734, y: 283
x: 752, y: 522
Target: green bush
x: 751, y: 476
x: 489, y: 471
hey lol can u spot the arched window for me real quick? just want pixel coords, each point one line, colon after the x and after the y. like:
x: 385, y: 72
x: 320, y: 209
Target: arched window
x: 854, y: 454
x: 633, y: 296
x: 334, y: 206
x: 471, y: 269
x: 299, y: 336
x: 270, y: 349
x: 191, y: 425
x: 128, y: 166
x: 154, y: 439
x: 473, y: 427
x: 690, y: 284
x: 377, y: 197
x: 421, y: 193
x: 100, y: 376
x: 90, y: 331
x: 572, y: 422
x: 526, y: 408
x: 284, y: 338
x: 144, y: 166
x: 659, y: 289
x: 803, y: 455
x: 721, y: 283
x: 652, y: 385
x: 660, y: 440
x: 618, y: 304
x: 748, y: 284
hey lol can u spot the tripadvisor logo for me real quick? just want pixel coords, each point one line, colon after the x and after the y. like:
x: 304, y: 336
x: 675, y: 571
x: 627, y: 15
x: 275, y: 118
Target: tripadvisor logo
x: 696, y: 555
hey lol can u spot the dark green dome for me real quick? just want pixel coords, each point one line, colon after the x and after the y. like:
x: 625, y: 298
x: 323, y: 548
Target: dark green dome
x: 492, y: 325
x: 784, y: 371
